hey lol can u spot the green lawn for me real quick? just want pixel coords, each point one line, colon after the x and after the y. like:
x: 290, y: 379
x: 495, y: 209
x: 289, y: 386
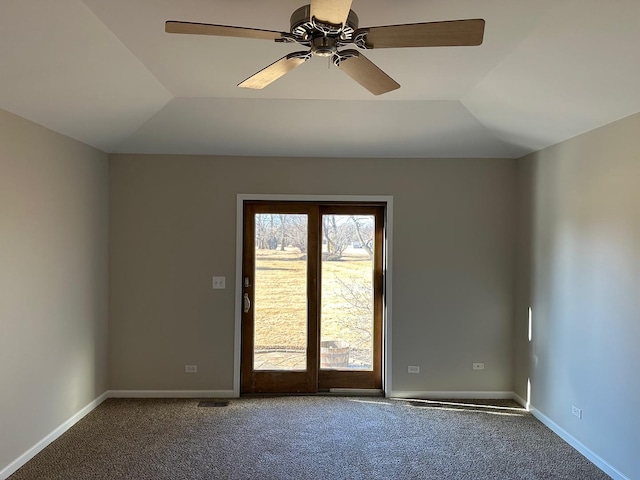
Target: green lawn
x: 281, y: 299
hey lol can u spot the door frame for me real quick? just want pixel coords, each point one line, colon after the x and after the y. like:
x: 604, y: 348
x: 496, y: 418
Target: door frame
x: 387, y: 200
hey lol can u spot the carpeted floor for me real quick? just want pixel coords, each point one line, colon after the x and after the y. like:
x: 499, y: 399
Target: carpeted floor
x: 308, y: 438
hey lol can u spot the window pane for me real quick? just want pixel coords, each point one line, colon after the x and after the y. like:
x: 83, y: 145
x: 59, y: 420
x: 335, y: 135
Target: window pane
x: 280, y: 309
x: 346, y: 323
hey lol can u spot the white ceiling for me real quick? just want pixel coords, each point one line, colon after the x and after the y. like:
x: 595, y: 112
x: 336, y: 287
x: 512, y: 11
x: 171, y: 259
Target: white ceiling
x: 104, y: 72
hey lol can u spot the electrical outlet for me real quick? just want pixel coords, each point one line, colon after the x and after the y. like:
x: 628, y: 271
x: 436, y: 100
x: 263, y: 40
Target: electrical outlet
x: 190, y: 369
x: 577, y: 412
x: 218, y: 283
x: 413, y: 369
x: 478, y: 366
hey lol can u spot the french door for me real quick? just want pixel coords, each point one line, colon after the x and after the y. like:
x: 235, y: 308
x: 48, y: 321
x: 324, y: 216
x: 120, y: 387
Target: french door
x: 312, y: 297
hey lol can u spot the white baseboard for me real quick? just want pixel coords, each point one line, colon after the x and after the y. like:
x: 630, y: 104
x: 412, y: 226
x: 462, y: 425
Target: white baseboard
x: 171, y: 394
x: 579, y: 446
x: 520, y: 400
x: 38, y: 447
x: 439, y: 395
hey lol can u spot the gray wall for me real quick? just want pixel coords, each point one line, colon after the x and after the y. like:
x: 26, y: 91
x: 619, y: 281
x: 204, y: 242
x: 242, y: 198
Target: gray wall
x: 578, y: 269
x: 173, y: 226
x: 53, y: 281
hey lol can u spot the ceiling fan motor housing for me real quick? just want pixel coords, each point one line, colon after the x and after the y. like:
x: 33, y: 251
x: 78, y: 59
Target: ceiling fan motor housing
x: 305, y: 29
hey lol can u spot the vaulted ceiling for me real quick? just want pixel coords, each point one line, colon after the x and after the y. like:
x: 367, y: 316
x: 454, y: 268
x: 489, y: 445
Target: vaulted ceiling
x: 105, y: 72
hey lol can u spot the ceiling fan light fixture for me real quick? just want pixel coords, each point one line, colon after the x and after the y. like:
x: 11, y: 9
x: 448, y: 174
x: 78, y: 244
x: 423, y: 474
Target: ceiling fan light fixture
x: 324, y: 46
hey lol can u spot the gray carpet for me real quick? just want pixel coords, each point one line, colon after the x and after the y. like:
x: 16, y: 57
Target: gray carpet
x: 308, y: 438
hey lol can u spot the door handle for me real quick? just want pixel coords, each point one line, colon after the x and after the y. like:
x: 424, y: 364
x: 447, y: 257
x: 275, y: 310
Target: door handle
x: 247, y: 303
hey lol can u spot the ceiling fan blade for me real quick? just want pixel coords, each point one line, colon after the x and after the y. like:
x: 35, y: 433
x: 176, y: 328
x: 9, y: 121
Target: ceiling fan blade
x: 172, y: 26
x: 331, y: 11
x: 274, y: 71
x: 433, y: 34
x: 365, y: 72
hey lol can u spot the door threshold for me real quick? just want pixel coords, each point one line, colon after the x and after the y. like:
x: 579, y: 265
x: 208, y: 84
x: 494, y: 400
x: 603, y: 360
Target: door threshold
x: 357, y: 392
x: 332, y: 392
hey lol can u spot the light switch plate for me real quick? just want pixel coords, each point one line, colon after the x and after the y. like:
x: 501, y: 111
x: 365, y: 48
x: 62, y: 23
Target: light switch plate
x: 219, y: 283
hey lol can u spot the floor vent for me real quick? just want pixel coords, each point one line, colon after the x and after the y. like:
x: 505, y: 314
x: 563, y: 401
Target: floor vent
x: 214, y: 403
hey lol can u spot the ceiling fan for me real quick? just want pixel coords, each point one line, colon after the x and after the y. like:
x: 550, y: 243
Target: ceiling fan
x: 326, y: 25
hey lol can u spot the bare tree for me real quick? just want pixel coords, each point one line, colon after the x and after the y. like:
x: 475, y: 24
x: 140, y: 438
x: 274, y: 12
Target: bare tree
x: 265, y: 231
x: 358, y: 319
x: 278, y: 231
x: 262, y: 231
x: 297, y: 232
x: 283, y: 231
x: 364, y: 230
x: 337, y: 234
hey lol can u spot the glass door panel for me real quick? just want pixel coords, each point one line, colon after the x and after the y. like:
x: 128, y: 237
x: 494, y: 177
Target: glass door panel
x: 280, y: 313
x: 347, y: 304
x: 279, y: 291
